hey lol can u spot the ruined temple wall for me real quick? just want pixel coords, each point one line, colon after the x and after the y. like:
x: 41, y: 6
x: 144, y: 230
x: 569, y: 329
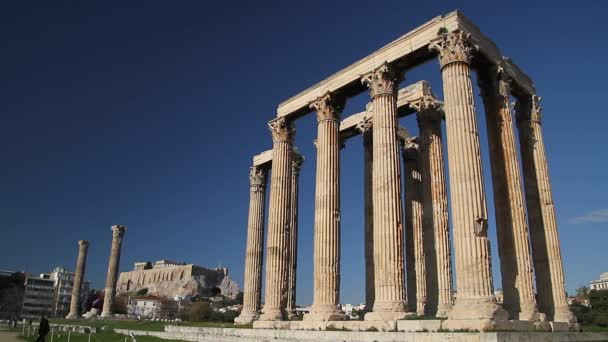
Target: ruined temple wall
x: 133, y: 280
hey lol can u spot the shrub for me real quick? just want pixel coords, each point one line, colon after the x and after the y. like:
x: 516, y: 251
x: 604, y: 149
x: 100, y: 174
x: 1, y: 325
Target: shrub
x: 200, y: 311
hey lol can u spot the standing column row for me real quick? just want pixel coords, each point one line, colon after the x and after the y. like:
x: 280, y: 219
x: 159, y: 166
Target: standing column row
x: 118, y: 232
x: 326, y: 299
x: 365, y: 127
x: 277, y: 258
x: 296, y: 164
x: 475, y: 300
x: 435, y: 201
x: 252, y: 289
x: 511, y: 225
x: 415, y: 259
x: 81, y: 262
x: 546, y: 253
x: 389, y: 302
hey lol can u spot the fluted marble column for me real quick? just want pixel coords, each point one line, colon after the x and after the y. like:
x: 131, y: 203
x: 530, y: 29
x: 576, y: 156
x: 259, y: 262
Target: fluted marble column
x: 475, y: 300
x: 327, y: 213
x: 365, y: 127
x: 435, y: 200
x: 544, y: 237
x: 511, y: 225
x: 296, y: 165
x: 118, y: 232
x: 390, y: 298
x: 81, y: 262
x: 252, y: 290
x: 277, y: 255
x: 414, y: 244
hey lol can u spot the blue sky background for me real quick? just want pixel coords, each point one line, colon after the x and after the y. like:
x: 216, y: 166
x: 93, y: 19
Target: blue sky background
x: 147, y: 113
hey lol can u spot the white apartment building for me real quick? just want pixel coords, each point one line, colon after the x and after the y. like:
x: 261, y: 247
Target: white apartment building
x: 600, y: 284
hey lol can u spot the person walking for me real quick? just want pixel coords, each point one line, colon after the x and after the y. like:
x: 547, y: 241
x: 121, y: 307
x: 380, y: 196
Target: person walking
x: 43, y: 329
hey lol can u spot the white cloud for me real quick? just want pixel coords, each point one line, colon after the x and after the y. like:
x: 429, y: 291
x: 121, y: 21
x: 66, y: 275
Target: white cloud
x: 594, y: 216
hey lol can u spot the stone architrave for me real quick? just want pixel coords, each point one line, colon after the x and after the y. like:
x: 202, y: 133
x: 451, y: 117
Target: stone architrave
x: 296, y: 165
x: 279, y: 217
x: 435, y: 201
x: 118, y: 232
x: 252, y: 290
x: 365, y: 127
x: 546, y: 253
x: 81, y: 262
x: 475, y: 305
x: 414, y: 244
x: 326, y: 297
x: 389, y: 301
x: 511, y: 225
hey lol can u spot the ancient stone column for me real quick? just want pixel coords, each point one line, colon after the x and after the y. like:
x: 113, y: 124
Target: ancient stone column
x: 252, y: 289
x: 389, y: 303
x: 415, y: 264
x: 118, y: 232
x: 511, y: 225
x: 475, y: 300
x: 83, y: 246
x: 435, y: 201
x: 544, y: 237
x: 296, y: 165
x: 365, y: 127
x: 277, y: 246
x: 327, y: 213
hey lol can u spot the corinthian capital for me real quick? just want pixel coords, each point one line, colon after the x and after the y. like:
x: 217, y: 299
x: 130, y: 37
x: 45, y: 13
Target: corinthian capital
x: 382, y: 81
x: 428, y: 108
x: 327, y: 107
x: 410, y: 148
x: 257, y: 177
x: 453, y: 47
x: 536, y: 113
x: 365, y: 124
x: 83, y: 244
x: 118, y: 231
x: 528, y: 109
x: 282, y: 130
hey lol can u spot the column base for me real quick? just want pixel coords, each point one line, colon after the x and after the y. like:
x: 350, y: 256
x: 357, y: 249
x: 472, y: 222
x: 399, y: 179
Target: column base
x: 564, y: 315
x: 477, y: 309
x: 443, y: 310
x: 324, y: 314
x: 247, y: 317
x: 71, y: 316
x: 272, y: 314
x: 291, y: 314
x: 105, y: 315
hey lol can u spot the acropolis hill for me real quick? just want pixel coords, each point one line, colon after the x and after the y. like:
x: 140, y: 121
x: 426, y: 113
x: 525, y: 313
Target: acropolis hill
x: 168, y: 278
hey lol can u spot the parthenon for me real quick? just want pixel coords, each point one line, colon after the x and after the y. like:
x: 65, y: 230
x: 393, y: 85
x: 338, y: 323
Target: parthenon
x: 409, y: 246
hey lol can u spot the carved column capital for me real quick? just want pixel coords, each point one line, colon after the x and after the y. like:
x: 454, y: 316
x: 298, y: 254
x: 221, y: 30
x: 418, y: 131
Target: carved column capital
x: 282, y: 130
x: 328, y: 108
x: 410, y: 148
x: 257, y: 178
x: 382, y: 81
x: 528, y: 109
x: 453, y: 47
x: 118, y: 231
x: 429, y: 109
x: 83, y: 244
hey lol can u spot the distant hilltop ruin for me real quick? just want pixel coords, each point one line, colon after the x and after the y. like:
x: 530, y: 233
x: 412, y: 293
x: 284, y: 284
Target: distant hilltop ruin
x: 166, y: 278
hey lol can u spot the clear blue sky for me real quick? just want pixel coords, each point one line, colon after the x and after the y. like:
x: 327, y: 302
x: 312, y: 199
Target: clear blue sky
x: 147, y: 114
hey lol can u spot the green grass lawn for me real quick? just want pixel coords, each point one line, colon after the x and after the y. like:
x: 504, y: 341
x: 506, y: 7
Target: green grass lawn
x: 142, y: 325
x: 99, y: 337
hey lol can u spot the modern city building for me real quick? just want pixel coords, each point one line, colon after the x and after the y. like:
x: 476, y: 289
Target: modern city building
x: 38, y: 297
x: 600, y: 284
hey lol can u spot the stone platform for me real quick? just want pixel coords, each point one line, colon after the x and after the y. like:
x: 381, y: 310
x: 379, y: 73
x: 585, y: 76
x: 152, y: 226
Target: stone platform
x: 414, y: 325
x: 233, y: 335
